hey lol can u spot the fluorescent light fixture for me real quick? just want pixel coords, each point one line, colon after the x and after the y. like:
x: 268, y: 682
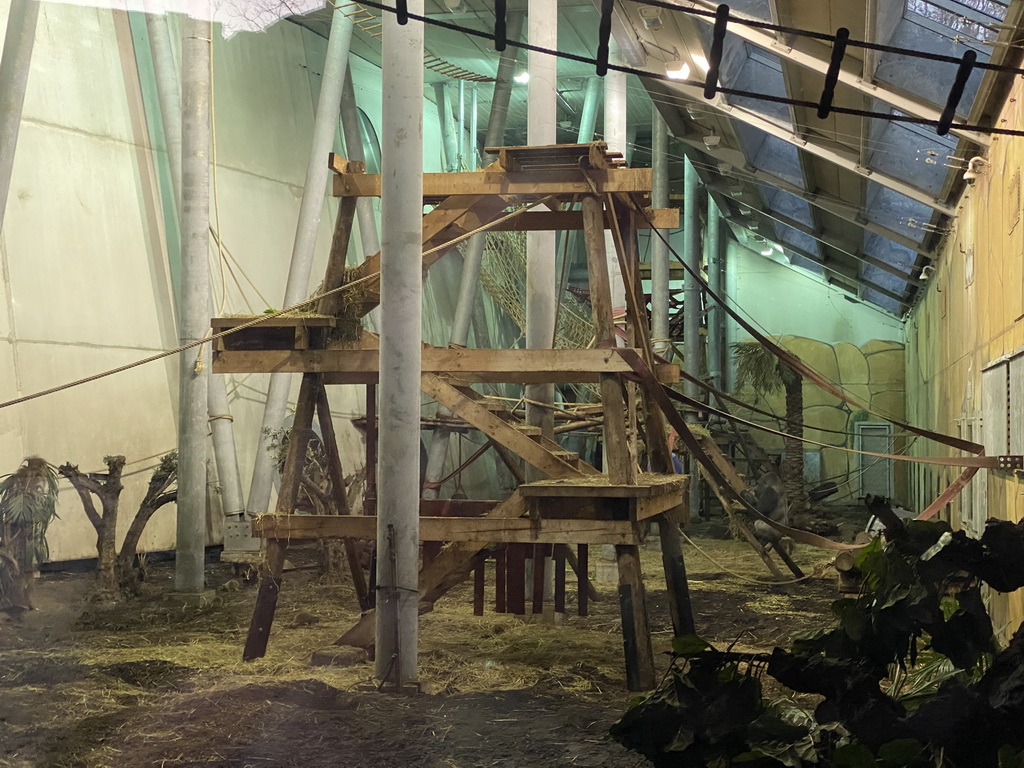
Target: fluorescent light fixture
x: 767, y: 250
x: 522, y: 78
x: 677, y: 70
x: 701, y: 62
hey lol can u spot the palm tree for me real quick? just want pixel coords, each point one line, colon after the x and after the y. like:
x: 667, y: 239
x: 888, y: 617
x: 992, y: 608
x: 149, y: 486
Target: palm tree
x: 28, y: 502
x: 758, y: 366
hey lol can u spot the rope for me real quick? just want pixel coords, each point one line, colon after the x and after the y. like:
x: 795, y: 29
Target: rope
x: 458, y: 469
x: 740, y: 576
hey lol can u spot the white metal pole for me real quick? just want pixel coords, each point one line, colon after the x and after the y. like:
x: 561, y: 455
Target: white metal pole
x: 14, y: 68
x: 716, y: 316
x: 540, y: 246
x: 369, y: 236
x: 400, y: 351
x: 194, y: 299
x: 449, y: 144
x: 617, y: 137
x: 297, y: 286
x: 221, y: 428
x: 462, y: 127
x: 659, y: 247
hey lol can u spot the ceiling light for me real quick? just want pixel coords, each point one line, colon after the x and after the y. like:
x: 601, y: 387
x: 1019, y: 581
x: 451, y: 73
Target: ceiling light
x: 651, y: 17
x: 677, y: 70
x: 701, y: 62
x: 767, y: 250
x: 453, y: 5
x: 522, y: 78
x: 712, y: 140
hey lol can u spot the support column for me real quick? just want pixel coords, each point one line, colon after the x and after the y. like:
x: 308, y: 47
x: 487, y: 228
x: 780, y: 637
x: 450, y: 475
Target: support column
x: 297, y: 286
x: 14, y: 68
x: 219, y: 416
x: 369, y: 237
x: 540, y: 246
x: 449, y: 142
x: 617, y: 137
x: 194, y: 304
x: 716, y: 316
x: 691, y: 307
x: 461, y: 155
x: 659, y: 247
x: 397, y: 629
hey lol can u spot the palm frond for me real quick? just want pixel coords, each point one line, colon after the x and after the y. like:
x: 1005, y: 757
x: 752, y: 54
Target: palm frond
x: 757, y: 366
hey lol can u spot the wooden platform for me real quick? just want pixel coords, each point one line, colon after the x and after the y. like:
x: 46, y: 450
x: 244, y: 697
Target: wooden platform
x: 281, y: 332
x: 361, y: 366
x: 592, y: 496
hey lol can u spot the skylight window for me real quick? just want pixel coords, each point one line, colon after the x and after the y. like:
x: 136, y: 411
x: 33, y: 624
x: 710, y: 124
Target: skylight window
x: 960, y: 23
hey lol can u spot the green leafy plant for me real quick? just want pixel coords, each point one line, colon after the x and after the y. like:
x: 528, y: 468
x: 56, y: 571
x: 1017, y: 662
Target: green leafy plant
x: 909, y: 676
x: 28, y: 503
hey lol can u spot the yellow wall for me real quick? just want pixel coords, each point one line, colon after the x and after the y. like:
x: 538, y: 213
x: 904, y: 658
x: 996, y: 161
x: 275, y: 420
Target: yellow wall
x: 972, y: 312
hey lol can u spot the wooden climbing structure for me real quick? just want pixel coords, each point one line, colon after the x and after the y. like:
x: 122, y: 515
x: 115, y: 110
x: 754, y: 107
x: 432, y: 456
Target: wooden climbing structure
x: 575, y: 505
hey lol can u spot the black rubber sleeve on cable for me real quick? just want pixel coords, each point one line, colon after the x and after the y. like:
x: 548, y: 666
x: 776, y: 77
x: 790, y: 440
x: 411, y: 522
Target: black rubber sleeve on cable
x: 717, y: 50
x: 956, y: 92
x: 604, y: 33
x: 832, y: 74
x: 500, y: 25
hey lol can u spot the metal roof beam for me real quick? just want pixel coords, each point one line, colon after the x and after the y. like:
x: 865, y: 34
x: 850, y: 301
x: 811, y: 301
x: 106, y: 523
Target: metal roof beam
x: 693, y: 92
x: 815, y: 57
x: 838, y: 207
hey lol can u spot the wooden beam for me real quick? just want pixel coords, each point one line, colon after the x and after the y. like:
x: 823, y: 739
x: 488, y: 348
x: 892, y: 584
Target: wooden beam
x: 597, y: 486
x: 484, y: 530
x: 537, y: 182
x: 543, y: 221
x: 361, y: 366
x: 500, y: 431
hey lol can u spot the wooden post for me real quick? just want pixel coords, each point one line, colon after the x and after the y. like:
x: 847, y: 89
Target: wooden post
x: 539, y: 566
x: 479, y: 574
x: 582, y: 579
x: 270, y: 583
x: 500, y: 566
x: 659, y: 451
x: 337, y: 475
x: 559, y: 560
x: 515, y: 579
x: 636, y: 634
x: 266, y: 601
x: 370, y: 498
x: 621, y: 471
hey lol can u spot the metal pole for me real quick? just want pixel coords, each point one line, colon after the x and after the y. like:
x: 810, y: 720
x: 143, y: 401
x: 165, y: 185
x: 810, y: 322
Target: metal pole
x: 474, y: 139
x: 297, y: 286
x: 462, y: 126
x: 465, y: 307
x: 616, y: 136
x: 691, y: 306
x: 716, y: 317
x: 221, y: 428
x: 659, y: 247
x: 449, y: 143
x: 14, y: 68
x: 542, y: 98
x: 194, y: 303
x: 369, y: 238
x: 400, y: 351
x: 585, y: 134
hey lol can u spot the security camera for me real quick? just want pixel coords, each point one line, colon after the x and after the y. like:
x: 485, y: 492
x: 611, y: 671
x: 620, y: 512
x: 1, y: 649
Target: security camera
x: 976, y: 166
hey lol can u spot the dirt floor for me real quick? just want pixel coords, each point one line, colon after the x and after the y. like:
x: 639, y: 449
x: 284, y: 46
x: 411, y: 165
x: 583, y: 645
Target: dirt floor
x: 153, y: 683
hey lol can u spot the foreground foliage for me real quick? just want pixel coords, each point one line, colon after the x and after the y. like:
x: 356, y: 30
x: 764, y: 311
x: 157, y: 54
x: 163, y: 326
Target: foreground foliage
x: 911, y: 674
x: 28, y: 503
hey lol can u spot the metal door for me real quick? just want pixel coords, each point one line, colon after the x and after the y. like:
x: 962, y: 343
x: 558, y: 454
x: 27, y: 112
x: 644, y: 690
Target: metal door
x: 876, y: 477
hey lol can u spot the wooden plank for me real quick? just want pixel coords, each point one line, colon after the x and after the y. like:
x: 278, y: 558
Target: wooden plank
x: 462, y: 529
x: 478, y: 586
x: 334, y: 275
x: 636, y: 633
x: 656, y: 505
x: 544, y: 221
x: 540, y: 553
x: 298, y: 440
x: 675, y: 271
x: 523, y: 183
x: 496, y: 429
x: 597, y: 486
x: 496, y: 365
x: 278, y: 321
x: 266, y: 602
